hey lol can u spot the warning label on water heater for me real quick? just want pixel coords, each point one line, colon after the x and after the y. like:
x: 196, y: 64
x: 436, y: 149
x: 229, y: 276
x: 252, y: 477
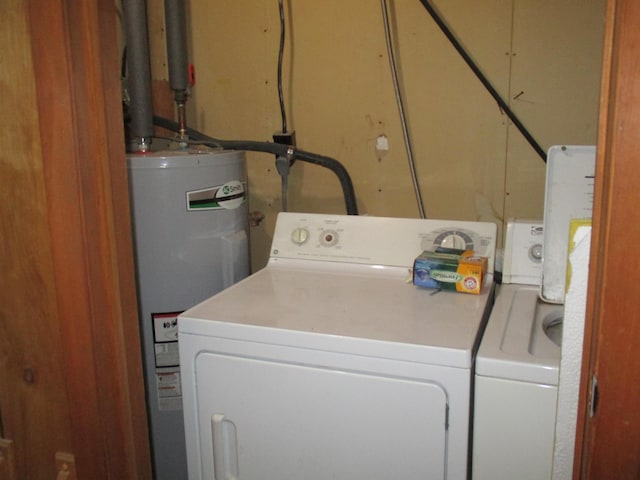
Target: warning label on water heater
x: 169, y: 390
x: 167, y: 359
x: 228, y: 196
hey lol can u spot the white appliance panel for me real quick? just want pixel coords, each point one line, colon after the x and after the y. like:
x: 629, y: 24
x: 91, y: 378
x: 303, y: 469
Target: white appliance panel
x: 454, y: 383
x: 523, y: 252
x: 380, y: 315
x: 514, y: 424
x: 349, y: 419
x: 568, y: 195
x: 375, y: 241
x: 514, y: 345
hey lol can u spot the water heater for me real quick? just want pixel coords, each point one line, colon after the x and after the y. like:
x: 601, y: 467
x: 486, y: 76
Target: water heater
x: 190, y: 227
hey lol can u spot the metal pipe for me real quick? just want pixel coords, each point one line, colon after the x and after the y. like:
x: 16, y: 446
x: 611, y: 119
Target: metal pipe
x: 278, y: 149
x: 176, y: 35
x: 178, y: 65
x: 182, y: 120
x: 139, y: 72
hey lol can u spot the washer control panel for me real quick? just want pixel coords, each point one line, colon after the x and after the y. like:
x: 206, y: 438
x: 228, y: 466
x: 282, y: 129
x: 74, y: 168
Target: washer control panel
x: 375, y: 240
x: 523, y: 252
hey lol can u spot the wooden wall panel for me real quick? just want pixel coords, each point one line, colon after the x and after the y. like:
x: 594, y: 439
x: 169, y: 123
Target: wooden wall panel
x: 90, y: 230
x: 555, y: 78
x: 611, y: 437
x: 71, y: 375
x: 33, y: 397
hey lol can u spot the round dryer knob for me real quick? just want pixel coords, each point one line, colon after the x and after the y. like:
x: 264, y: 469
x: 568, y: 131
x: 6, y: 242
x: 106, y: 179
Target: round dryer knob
x: 300, y: 235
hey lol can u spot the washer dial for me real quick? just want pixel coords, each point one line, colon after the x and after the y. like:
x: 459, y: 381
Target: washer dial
x: 300, y: 235
x: 454, y: 239
x: 328, y: 238
x: 535, y: 253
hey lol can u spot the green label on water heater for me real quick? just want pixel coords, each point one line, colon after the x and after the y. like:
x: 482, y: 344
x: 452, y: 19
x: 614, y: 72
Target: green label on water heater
x: 228, y: 196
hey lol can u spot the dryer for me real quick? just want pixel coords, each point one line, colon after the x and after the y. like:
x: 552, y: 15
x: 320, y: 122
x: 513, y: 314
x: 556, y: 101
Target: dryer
x: 330, y: 363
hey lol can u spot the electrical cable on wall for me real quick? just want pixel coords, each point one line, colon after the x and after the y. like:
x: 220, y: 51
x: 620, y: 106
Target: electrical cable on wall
x: 283, y: 163
x: 283, y: 112
x: 483, y: 79
x: 400, y: 103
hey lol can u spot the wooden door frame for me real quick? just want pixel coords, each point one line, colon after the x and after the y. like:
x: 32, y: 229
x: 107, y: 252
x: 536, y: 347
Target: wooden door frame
x: 80, y: 116
x: 606, y: 445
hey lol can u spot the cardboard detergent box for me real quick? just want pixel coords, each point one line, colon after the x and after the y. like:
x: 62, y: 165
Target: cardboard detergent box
x: 459, y: 270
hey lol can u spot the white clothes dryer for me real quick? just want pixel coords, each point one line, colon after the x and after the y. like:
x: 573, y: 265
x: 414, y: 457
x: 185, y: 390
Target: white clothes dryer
x: 330, y: 363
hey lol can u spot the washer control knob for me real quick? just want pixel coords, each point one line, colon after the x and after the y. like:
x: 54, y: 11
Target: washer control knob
x: 329, y: 238
x: 535, y: 252
x: 300, y: 235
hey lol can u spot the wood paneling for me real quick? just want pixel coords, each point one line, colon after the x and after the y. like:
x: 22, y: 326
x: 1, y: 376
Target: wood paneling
x: 69, y: 346
x: 611, y: 437
x: 89, y: 221
x: 33, y: 397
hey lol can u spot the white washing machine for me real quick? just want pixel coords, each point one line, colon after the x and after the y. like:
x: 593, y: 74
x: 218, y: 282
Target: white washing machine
x: 329, y: 363
x: 517, y: 366
x: 516, y: 378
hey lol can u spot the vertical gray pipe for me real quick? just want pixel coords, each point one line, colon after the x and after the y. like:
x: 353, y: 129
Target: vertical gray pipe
x: 139, y: 71
x: 175, y: 19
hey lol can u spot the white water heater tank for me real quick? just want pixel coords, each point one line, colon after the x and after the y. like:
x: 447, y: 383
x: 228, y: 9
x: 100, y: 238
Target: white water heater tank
x: 190, y: 227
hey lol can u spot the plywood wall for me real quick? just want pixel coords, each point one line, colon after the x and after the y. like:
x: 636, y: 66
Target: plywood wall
x: 542, y: 56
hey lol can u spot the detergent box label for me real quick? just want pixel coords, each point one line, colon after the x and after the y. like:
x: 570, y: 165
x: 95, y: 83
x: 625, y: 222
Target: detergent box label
x: 457, y: 270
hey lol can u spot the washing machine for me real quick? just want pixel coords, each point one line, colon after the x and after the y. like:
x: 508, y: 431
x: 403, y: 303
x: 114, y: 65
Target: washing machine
x: 517, y: 366
x: 516, y: 377
x: 330, y: 363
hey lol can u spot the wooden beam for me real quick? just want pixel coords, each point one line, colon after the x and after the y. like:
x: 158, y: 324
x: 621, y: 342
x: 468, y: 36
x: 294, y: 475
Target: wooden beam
x: 77, y: 77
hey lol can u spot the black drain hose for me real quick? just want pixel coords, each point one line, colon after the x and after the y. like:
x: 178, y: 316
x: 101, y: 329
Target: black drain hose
x: 280, y: 150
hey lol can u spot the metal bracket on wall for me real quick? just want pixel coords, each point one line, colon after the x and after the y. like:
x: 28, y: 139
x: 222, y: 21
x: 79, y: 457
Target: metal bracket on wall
x: 7, y: 460
x: 593, y: 396
x: 65, y: 466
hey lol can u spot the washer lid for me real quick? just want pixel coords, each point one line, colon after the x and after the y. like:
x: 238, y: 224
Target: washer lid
x: 514, y: 345
x: 568, y: 195
x: 364, y: 312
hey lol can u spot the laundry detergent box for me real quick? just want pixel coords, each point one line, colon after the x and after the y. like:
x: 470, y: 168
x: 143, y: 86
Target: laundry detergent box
x: 449, y: 269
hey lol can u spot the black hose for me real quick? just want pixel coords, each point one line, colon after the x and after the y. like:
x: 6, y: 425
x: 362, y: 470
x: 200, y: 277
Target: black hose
x: 278, y: 150
x: 465, y: 56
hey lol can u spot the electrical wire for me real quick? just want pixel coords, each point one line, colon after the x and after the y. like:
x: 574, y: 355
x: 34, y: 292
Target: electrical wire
x: 283, y: 112
x: 400, y: 103
x: 483, y: 79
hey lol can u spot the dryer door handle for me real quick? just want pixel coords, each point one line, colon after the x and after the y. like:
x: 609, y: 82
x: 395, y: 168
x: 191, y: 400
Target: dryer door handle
x: 225, y: 449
